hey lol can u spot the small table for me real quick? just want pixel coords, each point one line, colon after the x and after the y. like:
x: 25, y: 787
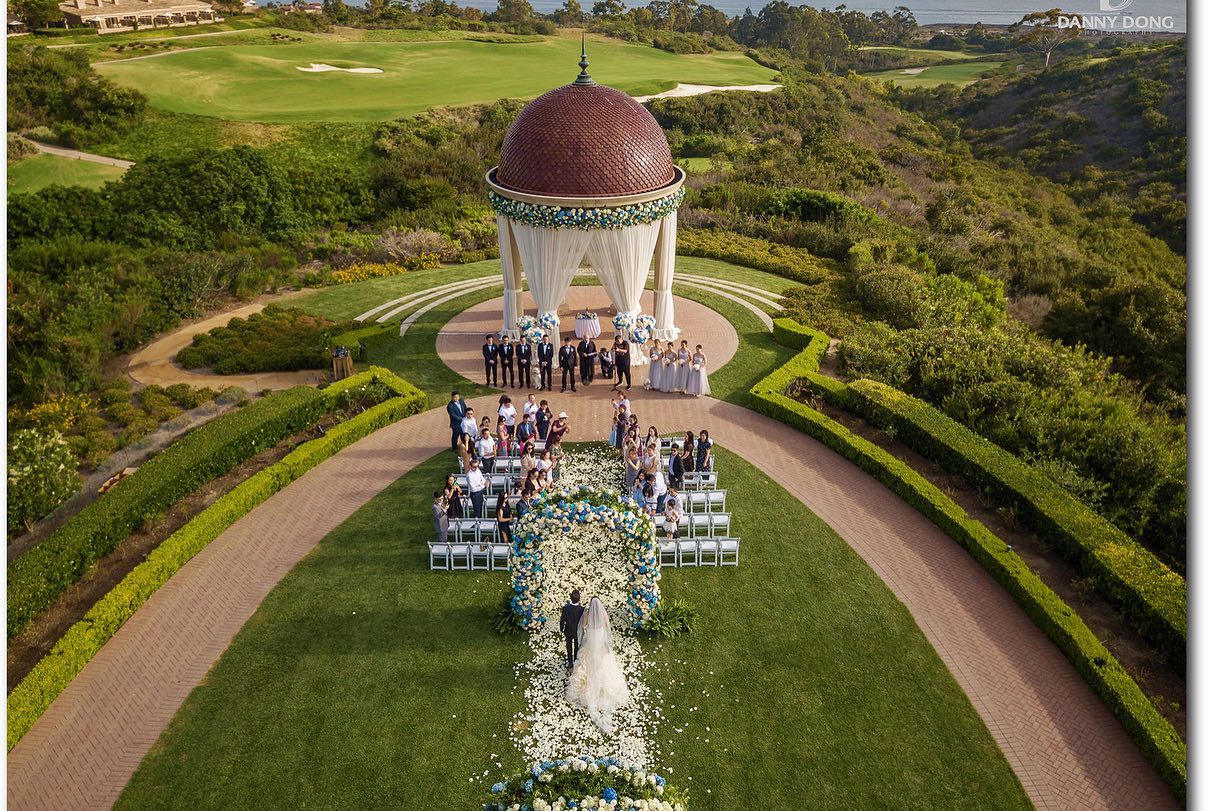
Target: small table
x: 341, y: 367
x: 587, y: 328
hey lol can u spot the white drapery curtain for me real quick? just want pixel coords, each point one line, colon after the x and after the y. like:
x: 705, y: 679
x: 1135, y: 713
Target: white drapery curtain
x: 511, y: 291
x: 664, y: 276
x: 621, y: 258
x: 550, y: 257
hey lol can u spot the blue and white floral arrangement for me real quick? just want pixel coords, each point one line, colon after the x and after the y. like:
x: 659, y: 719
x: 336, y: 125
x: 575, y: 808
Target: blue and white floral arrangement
x: 557, y: 511
x: 529, y: 328
x: 541, y: 216
x: 548, y: 321
x: 585, y: 782
x: 622, y: 322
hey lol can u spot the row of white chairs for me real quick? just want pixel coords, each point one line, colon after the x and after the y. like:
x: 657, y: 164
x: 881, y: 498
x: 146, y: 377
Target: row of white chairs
x: 697, y: 525
x: 464, y: 557
x: 496, y: 483
x: 699, y: 552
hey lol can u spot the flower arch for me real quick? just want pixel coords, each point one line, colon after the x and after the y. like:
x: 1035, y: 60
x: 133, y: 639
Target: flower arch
x: 557, y: 511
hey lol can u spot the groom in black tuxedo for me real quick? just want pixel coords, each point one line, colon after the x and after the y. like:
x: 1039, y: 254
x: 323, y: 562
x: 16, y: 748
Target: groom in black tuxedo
x: 572, y: 612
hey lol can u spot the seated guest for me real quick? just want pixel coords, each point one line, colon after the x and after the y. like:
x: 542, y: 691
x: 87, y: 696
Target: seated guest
x: 606, y: 363
x: 525, y: 503
x: 486, y: 451
x: 648, y: 500
x: 639, y: 484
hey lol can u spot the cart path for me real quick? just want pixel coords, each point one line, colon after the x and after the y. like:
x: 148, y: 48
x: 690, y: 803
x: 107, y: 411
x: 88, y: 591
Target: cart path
x: 76, y: 154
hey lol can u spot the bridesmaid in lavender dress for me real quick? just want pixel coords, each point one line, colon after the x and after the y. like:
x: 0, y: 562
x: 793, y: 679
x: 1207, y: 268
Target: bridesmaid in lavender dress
x: 667, y: 378
x: 698, y: 374
x: 655, y: 380
x: 683, y: 361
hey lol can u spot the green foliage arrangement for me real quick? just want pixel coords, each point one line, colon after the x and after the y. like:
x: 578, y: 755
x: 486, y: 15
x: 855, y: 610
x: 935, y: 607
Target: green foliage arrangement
x: 1153, y: 734
x: 279, y: 339
x: 41, y: 475
x: 670, y: 618
x: 1148, y: 593
x: 38, y: 577
x: 507, y: 621
x: 83, y: 640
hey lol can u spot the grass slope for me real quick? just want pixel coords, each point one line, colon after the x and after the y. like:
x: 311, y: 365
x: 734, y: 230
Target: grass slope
x: 366, y: 681
x: 960, y: 74
x: 263, y: 83
x: 40, y: 171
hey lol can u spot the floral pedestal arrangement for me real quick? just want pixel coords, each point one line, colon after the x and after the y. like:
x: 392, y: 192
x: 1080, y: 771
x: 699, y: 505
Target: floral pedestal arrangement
x: 585, y: 783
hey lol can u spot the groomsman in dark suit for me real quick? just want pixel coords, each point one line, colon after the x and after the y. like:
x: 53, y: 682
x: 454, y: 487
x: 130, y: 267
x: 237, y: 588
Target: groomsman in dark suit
x: 620, y: 351
x: 567, y: 360
x: 587, y: 361
x: 524, y: 360
x: 490, y: 359
x: 507, y: 359
x: 545, y: 363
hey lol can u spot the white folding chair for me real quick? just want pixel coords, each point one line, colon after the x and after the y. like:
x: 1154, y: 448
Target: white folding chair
x: 716, y: 500
x: 719, y: 525
x: 486, y: 531
x: 480, y: 558
x: 459, y: 557
x: 669, y: 553
x: 728, y: 554
x: 698, y: 502
x: 689, y: 553
x: 698, y: 526
x: 463, y: 481
x: 499, y: 483
x: 438, y: 556
x: 500, y: 556
x: 708, y: 553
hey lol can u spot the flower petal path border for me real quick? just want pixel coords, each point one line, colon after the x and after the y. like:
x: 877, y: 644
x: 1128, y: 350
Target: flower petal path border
x: 1064, y: 745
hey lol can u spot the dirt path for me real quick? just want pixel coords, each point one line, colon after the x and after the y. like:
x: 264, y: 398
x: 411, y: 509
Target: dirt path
x: 75, y: 154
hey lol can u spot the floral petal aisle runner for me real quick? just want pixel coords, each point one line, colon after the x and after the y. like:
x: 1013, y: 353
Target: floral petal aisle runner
x: 590, y: 559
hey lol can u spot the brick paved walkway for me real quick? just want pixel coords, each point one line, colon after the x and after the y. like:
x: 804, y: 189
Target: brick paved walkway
x: 1067, y: 749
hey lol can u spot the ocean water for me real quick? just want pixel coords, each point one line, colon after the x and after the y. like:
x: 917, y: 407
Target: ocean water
x: 928, y: 12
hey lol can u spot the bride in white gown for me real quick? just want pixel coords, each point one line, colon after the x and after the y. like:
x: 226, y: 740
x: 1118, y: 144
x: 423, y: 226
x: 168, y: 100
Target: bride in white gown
x: 596, y: 682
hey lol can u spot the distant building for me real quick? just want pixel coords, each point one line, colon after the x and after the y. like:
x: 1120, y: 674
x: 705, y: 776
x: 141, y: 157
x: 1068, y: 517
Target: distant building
x: 16, y: 27
x: 310, y: 8
x: 112, y: 16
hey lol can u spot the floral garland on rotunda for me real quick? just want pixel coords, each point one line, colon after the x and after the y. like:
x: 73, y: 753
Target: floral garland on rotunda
x: 557, y: 511
x: 543, y: 216
x: 585, y: 782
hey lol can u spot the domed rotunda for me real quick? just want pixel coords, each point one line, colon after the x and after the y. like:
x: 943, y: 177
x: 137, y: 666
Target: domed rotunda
x: 585, y: 173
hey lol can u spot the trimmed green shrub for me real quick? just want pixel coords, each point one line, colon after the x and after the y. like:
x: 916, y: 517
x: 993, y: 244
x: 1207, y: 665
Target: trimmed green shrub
x: 72, y: 652
x: 360, y: 341
x: 796, y: 264
x: 1141, y: 587
x: 1153, y: 734
x: 41, y: 476
x: 37, y: 578
x: 279, y: 339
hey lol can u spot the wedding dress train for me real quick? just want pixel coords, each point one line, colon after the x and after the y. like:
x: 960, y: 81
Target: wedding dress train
x: 596, y: 682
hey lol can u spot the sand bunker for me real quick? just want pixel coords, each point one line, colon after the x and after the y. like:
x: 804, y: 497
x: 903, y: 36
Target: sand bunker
x: 912, y: 71
x: 319, y: 67
x: 697, y: 89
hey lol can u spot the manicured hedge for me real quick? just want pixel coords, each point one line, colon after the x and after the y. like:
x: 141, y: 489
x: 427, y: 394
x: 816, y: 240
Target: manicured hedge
x: 360, y: 341
x: 1141, y: 587
x: 37, y: 578
x: 1153, y: 734
x: 814, y: 344
x: 75, y: 648
x: 796, y: 264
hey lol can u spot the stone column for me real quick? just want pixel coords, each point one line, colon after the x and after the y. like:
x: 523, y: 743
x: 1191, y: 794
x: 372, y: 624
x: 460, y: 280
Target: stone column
x: 509, y: 260
x: 664, y: 275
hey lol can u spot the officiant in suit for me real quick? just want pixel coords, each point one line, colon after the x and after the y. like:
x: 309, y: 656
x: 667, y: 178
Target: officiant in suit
x: 545, y: 363
x: 572, y: 613
x: 587, y: 361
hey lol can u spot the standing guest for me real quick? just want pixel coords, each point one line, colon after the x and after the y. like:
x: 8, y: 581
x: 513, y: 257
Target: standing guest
x: 639, y: 484
x: 689, y: 455
x: 486, y: 451
x: 526, y: 430
x: 545, y: 364
x: 654, y: 373
x: 649, y: 502
x: 606, y: 362
x: 457, y: 413
x: 530, y: 407
x: 544, y: 480
x: 507, y: 414
x: 545, y: 418
x: 612, y: 427
x: 675, y: 468
x: 626, y: 404
x: 557, y: 430
x: 660, y: 487
x: 465, y: 450
x: 683, y: 361
x: 485, y: 425
x: 507, y: 361
x: 704, y: 453
x: 490, y: 360
x: 587, y: 361
x: 478, y: 487
x: 503, y: 519
x: 567, y: 359
x: 440, y: 517
x: 524, y: 362
x: 546, y: 465
x: 504, y: 443
x: 620, y: 351
x: 527, y: 460
x: 652, y: 436
x: 469, y: 425
x: 453, y: 496
x: 698, y: 374
x: 632, y: 468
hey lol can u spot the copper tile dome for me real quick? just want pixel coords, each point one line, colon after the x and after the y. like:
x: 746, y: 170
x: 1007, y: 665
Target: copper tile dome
x: 585, y: 140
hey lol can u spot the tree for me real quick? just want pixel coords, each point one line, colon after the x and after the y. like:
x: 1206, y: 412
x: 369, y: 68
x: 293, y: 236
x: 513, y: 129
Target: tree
x: 1040, y: 31
x: 37, y: 13
x: 571, y: 13
x: 605, y: 9
x: 513, y: 11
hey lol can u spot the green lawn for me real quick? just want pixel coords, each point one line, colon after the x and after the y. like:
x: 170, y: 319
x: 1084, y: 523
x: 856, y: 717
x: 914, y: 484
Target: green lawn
x: 40, y: 171
x: 961, y: 74
x: 365, y: 681
x: 263, y: 83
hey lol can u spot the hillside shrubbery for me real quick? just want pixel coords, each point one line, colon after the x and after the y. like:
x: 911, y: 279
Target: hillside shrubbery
x: 279, y: 339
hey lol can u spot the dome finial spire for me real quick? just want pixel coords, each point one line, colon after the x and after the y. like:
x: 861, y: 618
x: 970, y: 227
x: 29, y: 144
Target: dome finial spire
x: 584, y: 78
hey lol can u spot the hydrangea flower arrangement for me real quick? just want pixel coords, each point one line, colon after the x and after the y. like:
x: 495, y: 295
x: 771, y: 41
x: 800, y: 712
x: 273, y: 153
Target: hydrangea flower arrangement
x: 556, y: 511
x: 541, y: 216
x: 622, y: 322
x: 646, y: 322
x: 529, y: 328
x: 640, y: 334
x: 548, y: 321
x: 585, y: 782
